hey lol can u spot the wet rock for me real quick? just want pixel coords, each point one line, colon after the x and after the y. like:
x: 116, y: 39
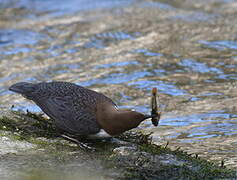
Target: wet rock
x: 133, y: 156
x: 124, y: 150
x: 9, y: 145
x: 169, y: 159
x: 128, y: 156
x: 160, y: 163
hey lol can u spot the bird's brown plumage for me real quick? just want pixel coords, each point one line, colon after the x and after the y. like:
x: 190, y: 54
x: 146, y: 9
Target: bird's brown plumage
x: 78, y: 110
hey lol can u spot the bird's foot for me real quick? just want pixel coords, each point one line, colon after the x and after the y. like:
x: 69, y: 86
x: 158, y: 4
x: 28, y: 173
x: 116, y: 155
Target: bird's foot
x: 82, y: 145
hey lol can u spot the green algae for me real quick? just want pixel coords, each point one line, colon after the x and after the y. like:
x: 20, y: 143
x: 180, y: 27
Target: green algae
x: 192, y: 167
x: 28, y: 125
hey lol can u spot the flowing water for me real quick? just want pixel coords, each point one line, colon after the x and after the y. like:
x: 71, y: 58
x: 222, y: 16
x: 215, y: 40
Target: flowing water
x: 123, y: 48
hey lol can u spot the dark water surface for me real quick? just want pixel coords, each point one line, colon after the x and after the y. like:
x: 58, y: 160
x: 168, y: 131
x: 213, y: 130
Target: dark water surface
x: 123, y: 48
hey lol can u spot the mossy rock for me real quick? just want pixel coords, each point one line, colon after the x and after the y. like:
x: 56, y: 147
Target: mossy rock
x: 132, y: 152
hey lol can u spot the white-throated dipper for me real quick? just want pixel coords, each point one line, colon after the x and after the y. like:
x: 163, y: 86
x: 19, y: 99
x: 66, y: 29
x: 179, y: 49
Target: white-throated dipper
x: 78, y: 110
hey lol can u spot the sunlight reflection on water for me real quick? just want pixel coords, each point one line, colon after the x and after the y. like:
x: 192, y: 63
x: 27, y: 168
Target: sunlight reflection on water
x: 220, y: 45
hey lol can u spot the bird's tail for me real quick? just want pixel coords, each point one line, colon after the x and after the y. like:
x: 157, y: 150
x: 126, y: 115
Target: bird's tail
x: 22, y: 88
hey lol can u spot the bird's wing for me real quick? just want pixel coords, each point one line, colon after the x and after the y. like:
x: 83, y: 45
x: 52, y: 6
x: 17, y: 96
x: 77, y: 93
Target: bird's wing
x: 79, y: 121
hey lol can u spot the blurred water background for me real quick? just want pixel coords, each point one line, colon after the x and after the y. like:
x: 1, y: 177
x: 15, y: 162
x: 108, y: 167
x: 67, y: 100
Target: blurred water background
x: 123, y: 48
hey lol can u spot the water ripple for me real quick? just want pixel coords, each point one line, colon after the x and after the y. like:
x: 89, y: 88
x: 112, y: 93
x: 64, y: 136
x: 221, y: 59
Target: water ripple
x: 59, y: 8
x: 210, y: 124
x: 118, y: 64
x: 146, y: 52
x: 116, y: 78
x: 192, y: 65
x: 19, y: 40
x: 103, y: 40
x: 220, y: 45
x: 163, y: 87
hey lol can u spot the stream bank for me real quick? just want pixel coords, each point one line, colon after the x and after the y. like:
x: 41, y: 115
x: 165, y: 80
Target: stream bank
x: 34, y: 150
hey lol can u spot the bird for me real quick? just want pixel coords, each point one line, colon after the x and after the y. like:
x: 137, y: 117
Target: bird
x: 79, y: 111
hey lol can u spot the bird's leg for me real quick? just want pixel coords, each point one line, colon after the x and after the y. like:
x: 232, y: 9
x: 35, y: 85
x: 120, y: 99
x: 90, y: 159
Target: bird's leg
x: 80, y: 144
